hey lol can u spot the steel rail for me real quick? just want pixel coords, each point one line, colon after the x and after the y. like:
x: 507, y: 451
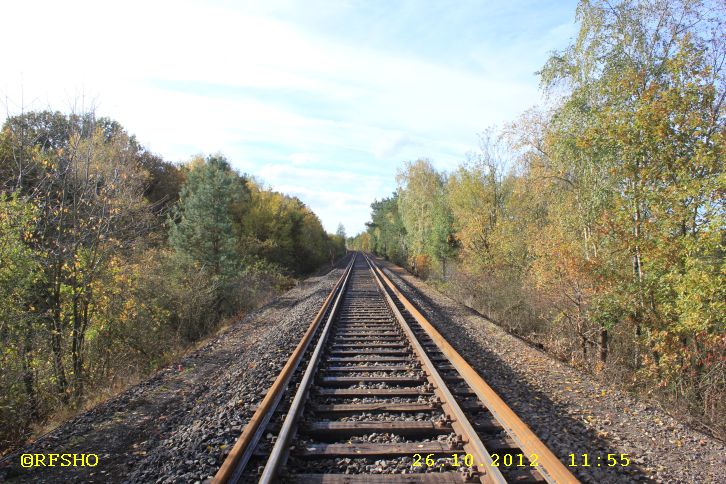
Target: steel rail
x: 279, y: 450
x: 550, y: 466
x: 234, y: 464
x: 487, y: 471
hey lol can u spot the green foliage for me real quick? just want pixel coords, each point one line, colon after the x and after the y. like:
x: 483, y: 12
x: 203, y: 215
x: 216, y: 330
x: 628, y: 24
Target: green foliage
x: 340, y: 232
x: 281, y: 229
x: 386, y: 231
x: 20, y: 271
x: 203, y: 233
x: 646, y: 120
x: 424, y: 213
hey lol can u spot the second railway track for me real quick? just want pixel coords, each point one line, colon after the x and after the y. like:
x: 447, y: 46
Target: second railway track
x: 374, y: 393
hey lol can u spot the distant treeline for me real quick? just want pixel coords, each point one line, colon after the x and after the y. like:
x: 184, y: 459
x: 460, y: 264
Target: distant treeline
x: 595, y: 226
x: 113, y: 259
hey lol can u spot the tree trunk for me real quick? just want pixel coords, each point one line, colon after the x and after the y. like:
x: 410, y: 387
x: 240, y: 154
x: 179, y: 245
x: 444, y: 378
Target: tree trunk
x: 603, y: 345
x: 56, y: 336
x: 28, y: 377
x: 76, y: 348
x: 637, y: 265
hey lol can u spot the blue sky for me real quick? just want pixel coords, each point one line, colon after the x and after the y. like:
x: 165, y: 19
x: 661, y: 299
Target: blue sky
x: 319, y: 99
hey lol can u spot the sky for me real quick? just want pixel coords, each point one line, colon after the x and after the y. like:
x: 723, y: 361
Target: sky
x: 323, y: 100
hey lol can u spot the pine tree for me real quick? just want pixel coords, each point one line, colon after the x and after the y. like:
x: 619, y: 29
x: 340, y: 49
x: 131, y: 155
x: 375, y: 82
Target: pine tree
x: 203, y: 233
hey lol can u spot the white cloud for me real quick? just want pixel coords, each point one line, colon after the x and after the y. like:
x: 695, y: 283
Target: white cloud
x: 335, y: 195
x: 303, y: 158
x: 382, y: 106
x: 391, y: 144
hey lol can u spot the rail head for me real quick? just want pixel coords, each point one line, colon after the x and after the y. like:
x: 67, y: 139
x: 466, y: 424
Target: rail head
x: 237, y: 459
x: 279, y: 451
x: 551, y: 468
x: 473, y: 444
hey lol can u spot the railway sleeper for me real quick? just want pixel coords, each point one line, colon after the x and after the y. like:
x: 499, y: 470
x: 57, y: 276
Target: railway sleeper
x: 427, y: 478
x: 330, y: 429
x: 343, y: 381
x: 397, y: 449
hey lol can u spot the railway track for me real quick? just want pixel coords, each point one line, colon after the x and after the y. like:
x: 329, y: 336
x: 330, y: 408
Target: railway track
x: 373, y: 393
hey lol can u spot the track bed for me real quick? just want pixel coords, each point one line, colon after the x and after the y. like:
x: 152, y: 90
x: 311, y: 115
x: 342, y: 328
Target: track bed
x: 378, y: 398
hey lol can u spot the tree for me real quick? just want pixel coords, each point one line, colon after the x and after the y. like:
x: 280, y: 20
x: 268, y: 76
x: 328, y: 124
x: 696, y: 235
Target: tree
x: 360, y: 242
x: 476, y: 197
x: 642, y: 121
x: 20, y: 272
x: 88, y: 186
x: 282, y: 230
x: 424, y: 213
x: 336, y: 244
x: 386, y: 230
x: 203, y: 233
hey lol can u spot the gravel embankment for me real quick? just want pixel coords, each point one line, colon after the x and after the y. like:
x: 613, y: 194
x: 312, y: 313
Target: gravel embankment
x: 572, y: 412
x: 179, y: 425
